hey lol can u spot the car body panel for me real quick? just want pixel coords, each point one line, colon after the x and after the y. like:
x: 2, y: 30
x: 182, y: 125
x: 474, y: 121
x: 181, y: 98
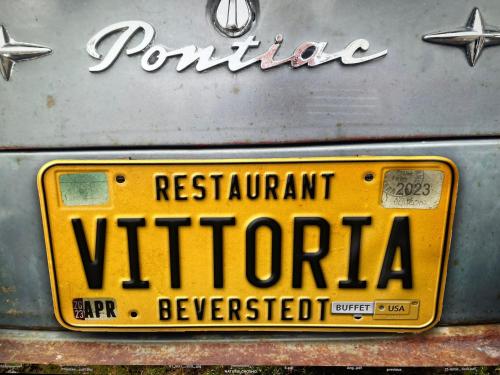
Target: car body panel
x: 55, y: 102
x: 419, y: 99
x: 470, y: 296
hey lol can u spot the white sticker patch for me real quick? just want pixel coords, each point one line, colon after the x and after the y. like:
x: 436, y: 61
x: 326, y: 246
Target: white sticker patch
x: 94, y: 308
x: 352, y: 308
x: 84, y: 189
x: 418, y: 189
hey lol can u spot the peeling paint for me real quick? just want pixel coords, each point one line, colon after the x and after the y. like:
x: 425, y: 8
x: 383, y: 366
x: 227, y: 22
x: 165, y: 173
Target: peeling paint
x: 446, y: 346
x: 7, y: 289
x: 14, y: 312
x: 50, y: 101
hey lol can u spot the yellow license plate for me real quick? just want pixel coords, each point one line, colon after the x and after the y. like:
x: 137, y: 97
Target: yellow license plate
x: 303, y: 244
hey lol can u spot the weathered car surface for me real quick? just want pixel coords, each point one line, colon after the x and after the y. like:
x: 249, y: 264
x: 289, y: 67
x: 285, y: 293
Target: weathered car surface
x: 418, y: 99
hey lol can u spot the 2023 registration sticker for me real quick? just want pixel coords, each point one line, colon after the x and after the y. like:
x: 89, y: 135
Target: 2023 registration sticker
x: 355, y: 243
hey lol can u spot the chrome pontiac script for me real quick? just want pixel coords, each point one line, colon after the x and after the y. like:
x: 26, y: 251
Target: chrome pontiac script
x: 156, y: 55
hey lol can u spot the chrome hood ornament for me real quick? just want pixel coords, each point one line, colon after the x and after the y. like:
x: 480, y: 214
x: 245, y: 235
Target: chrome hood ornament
x: 474, y: 37
x: 12, y: 52
x: 155, y: 56
x: 233, y: 18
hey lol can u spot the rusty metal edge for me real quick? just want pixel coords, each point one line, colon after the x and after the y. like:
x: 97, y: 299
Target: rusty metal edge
x: 443, y: 346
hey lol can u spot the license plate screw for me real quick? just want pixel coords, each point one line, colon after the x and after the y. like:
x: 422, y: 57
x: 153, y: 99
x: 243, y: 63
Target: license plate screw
x: 120, y: 179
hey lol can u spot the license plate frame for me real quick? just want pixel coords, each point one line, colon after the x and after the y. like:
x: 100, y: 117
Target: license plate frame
x: 393, y: 323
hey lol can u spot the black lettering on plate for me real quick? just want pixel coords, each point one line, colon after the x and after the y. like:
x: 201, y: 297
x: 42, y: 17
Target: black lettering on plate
x: 300, y: 256
x: 251, y: 253
x: 132, y: 226
x: 88, y: 310
x: 322, y: 307
x: 216, y: 177
x: 252, y: 308
x: 197, y: 185
x: 199, y: 307
x: 399, y: 239
x: 234, y: 306
x: 173, y: 225
x: 308, y: 185
x: 305, y: 307
x: 179, y: 187
x: 290, y: 191
x: 110, y: 309
x: 252, y: 195
x: 356, y: 224
x: 99, y: 307
x: 218, y: 224
x: 285, y: 308
x: 270, y: 303
x: 216, y: 308
x: 328, y: 179
x: 93, y: 268
x: 181, y: 308
x: 272, y: 183
x: 164, y: 308
x: 161, y: 184
x: 234, y: 190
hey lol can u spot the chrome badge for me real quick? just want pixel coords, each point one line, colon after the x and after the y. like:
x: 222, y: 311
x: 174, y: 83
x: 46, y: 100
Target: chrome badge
x: 474, y: 37
x: 155, y: 56
x: 12, y: 51
x: 233, y: 18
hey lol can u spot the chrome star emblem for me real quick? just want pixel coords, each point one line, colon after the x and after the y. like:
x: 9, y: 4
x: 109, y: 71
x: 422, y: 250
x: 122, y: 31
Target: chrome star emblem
x: 12, y: 52
x: 474, y: 37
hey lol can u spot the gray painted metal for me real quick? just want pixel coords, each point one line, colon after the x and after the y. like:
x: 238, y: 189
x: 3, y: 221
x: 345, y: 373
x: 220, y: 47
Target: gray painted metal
x: 417, y: 90
x: 471, y: 290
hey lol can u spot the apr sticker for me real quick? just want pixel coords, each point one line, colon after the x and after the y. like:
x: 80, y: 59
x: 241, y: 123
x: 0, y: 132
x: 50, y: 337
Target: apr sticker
x: 412, y: 189
x: 94, y: 308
